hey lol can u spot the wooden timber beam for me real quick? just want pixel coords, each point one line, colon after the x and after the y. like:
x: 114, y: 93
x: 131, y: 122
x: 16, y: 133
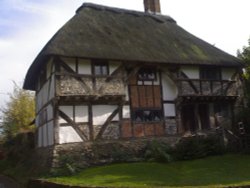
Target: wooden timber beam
x: 133, y: 72
x: 70, y: 70
x: 233, y: 77
x: 107, y: 122
x: 110, y: 77
x: 73, y: 124
x: 115, y: 72
x: 190, y: 82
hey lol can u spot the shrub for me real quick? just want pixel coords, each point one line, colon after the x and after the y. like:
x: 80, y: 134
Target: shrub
x: 158, y: 152
x: 67, y: 166
x: 198, y: 147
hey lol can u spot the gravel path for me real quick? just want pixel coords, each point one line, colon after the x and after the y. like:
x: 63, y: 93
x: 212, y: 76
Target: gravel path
x: 6, y: 182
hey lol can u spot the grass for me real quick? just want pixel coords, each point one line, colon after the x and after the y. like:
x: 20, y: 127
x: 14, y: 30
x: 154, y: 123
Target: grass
x: 219, y: 171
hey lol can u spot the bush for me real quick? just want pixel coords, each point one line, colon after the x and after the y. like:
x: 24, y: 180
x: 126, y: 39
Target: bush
x: 198, y: 147
x: 20, y: 146
x: 158, y: 152
x: 67, y: 166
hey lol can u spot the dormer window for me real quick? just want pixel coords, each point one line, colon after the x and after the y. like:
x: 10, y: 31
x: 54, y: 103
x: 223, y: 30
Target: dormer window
x: 100, y: 68
x: 147, y: 74
x: 210, y: 73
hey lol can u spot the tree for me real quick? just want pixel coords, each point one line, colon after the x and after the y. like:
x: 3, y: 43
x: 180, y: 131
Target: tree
x: 18, y: 113
x: 245, y: 56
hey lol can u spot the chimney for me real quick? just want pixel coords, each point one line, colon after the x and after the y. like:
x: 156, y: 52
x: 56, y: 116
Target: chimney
x: 152, y: 6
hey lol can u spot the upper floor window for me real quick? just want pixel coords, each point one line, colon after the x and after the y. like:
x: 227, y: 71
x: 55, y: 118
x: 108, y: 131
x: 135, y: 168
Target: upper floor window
x: 210, y: 73
x: 100, y: 68
x: 147, y: 74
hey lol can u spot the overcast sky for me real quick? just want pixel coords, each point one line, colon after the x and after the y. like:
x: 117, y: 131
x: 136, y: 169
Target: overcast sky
x: 27, y: 25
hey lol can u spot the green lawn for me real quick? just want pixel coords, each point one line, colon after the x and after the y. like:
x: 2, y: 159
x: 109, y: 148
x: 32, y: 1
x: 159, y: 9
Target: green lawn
x: 219, y: 171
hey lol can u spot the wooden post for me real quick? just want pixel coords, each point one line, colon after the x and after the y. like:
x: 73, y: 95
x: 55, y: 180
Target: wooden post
x: 91, y: 127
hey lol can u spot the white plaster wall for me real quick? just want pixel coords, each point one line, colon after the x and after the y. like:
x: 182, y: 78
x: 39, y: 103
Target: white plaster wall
x: 52, y: 87
x: 126, y: 93
x: 40, y: 139
x: 227, y: 73
x: 68, y: 135
x: 50, y: 127
x: 45, y: 94
x: 50, y: 113
x: 84, y: 66
x: 81, y: 114
x: 37, y: 121
x: 102, y: 112
x: 68, y: 110
x: 169, y: 88
x: 113, y: 65
x: 126, y: 112
x: 192, y: 72
x: 71, y: 62
x: 45, y: 135
x: 49, y: 68
x: 169, y: 110
x: 38, y: 102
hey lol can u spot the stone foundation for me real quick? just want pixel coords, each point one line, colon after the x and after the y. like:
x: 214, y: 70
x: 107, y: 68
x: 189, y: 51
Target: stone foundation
x: 101, y: 152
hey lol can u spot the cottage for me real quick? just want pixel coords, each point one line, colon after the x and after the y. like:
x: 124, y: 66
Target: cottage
x: 115, y: 74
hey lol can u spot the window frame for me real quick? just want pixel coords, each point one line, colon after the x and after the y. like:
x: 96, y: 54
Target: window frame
x: 211, y: 71
x: 145, y: 69
x: 103, y: 65
x: 146, y: 119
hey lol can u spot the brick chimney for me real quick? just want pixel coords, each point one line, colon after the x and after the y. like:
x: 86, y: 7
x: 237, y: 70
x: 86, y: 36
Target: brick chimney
x: 152, y: 6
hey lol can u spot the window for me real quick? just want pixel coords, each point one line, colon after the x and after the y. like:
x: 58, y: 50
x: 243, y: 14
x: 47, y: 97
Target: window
x: 147, y: 74
x: 147, y: 115
x: 100, y: 68
x: 210, y: 73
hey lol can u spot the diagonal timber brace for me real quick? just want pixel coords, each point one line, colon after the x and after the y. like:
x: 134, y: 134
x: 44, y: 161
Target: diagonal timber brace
x: 70, y: 70
x: 190, y: 82
x: 73, y: 124
x: 107, y: 122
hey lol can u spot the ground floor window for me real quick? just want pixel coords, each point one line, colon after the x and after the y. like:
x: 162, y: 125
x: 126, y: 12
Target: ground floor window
x: 147, y: 115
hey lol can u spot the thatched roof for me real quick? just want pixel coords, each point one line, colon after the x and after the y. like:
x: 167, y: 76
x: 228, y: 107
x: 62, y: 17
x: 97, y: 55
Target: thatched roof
x: 102, y: 32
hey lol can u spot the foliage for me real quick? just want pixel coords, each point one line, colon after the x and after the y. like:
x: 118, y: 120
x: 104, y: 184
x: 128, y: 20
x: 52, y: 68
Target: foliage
x: 198, y: 147
x: 217, y: 171
x: 19, y: 161
x: 68, y: 166
x: 18, y: 113
x: 20, y: 146
x: 244, y: 55
x: 158, y: 152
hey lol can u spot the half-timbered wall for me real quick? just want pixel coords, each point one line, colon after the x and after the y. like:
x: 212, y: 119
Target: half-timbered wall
x: 228, y: 73
x: 76, y: 78
x: 70, y: 80
x: 169, y: 94
x: 192, y: 72
x: 80, y: 116
x: 89, y: 106
x: 44, y: 105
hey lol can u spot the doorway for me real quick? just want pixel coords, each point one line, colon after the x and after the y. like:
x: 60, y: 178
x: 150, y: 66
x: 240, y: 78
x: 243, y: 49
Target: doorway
x: 195, y: 117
